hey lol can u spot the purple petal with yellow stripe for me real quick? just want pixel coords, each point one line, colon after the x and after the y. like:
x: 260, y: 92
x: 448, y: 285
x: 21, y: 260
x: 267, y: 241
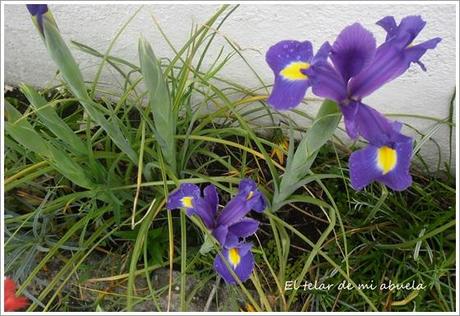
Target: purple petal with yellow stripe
x: 184, y: 197
x: 388, y: 164
x: 240, y: 260
x: 290, y: 61
x: 256, y: 200
x: 188, y: 196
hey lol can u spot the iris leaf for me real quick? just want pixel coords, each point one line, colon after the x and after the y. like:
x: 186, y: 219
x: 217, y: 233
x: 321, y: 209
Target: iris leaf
x: 52, y: 121
x: 299, y: 163
x: 24, y: 133
x: 159, y: 102
x: 68, y: 67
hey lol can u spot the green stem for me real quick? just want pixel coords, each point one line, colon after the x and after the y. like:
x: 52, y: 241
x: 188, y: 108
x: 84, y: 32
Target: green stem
x: 183, y: 265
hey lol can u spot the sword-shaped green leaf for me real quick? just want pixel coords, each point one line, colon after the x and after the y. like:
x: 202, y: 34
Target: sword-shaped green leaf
x: 298, y: 164
x: 52, y: 121
x: 159, y: 102
x: 68, y: 67
x: 23, y: 132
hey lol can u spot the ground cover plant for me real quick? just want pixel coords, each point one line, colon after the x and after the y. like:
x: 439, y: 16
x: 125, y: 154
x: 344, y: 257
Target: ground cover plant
x: 171, y: 195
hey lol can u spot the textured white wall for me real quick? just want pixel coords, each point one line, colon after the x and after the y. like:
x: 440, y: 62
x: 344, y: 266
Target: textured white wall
x: 254, y: 28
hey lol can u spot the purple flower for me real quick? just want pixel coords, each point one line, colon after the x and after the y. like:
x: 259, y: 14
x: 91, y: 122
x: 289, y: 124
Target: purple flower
x: 363, y: 120
x: 359, y: 68
x: 386, y: 159
x: 230, y: 227
x: 230, y: 224
x: 37, y: 10
x: 290, y: 61
x: 230, y: 235
x: 188, y: 196
x: 240, y: 260
x: 394, y: 56
x: 248, y: 198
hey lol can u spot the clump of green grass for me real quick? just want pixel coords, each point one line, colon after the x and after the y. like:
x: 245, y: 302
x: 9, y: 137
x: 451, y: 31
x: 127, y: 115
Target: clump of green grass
x: 87, y: 175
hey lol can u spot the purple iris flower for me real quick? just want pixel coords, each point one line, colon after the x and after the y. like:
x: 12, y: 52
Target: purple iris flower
x: 230, y: 226
x: 359, y: 68
x: 37, y: 10
x: 386, y: 159
x: 290, y: 61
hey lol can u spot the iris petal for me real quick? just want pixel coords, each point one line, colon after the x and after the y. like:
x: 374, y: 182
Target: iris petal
x: 391, y: 60
x: 399, y: 178
x: 243, y: 269
x: 349, y: 112
x: 389, y: 63
x: 234, y: 211
x: 367, y: 122
x: 388, y: 23
x: 38, y: 10
x: 248, y: 198
x: 291, y: 62
x: 363, y: 168
x: 244, y: 228
x: 327, y: 82
x: 184, y: 190
x: 353, y: 50
x: 287, y: 94
x: 203, y: 210
x: 366, y: 166
x: 210, y: 195
x: 322, y: 53
x: 414, y: 53
x: 412, y: 25
x: 220, y: 233
x: 188, y: 196
x: 285, y: 52
x: 247, y: 185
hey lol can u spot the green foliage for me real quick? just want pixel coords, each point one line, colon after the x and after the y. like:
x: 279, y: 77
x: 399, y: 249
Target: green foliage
x: 159, y: 102
x: 48, y: 117
x: 157, y: 239
x: 300, y: 160
x: 68, y: 67
x: 23, y: 132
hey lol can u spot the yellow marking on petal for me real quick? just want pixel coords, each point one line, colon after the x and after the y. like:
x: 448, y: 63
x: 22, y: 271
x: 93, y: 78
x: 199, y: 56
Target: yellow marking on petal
x: 293, y: 71
x: 234, y: 257
x: 247, y: 308
x: 187, y: 201
x: 386, y: 159
x: 250, y: 195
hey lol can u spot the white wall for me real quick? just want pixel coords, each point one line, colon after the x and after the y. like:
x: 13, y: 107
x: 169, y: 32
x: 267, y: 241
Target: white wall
x: 254, y: 28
